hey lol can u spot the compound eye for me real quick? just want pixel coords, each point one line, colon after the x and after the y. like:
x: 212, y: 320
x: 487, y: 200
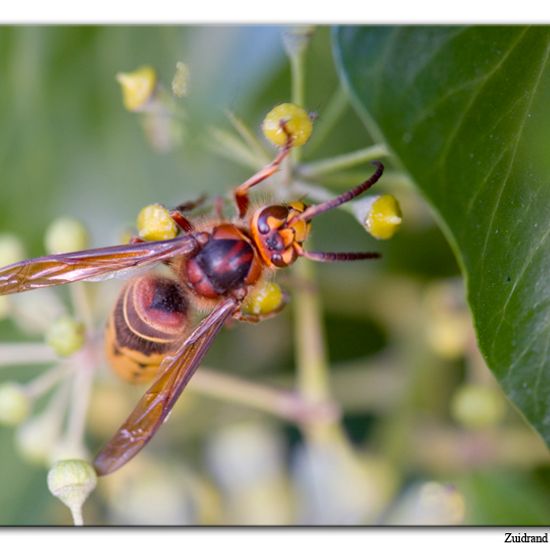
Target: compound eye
x: 271, y: 218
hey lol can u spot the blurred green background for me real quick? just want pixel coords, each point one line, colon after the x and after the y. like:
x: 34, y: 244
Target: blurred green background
x: 404, y: 365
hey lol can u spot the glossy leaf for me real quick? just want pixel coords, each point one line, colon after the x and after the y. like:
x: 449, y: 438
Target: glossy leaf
x: 466, y: 111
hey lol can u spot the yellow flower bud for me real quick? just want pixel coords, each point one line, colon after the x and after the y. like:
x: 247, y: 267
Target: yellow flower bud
x: 15, y: 404
x: 384, y: 217
x: 11, y: 249
x: 66, y: 235
x: 448, y: 333
x: 477, y: 406
x: 154, y: 223
x: 72, y: 481
x: 66, y: 336
x: 137, y: 87
x: 296, y: 120
x: 264, y: 299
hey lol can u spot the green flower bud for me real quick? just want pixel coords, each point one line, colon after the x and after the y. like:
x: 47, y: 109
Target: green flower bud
x: 297, y: 38
x: 475, y: 406
x: 72, y: 481
x: 66, y: 235
x: 36, y: 438
x: 15, y: 404
x: 66, y: 336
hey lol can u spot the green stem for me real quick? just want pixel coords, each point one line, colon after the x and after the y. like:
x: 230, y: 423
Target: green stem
x: 296, y: 44
x: 232, y: 148
x: 348, y: 178
x: 80, y: 396
x: 342, y: 162
x: 46, y: 381
x: 311, y: 356
x: 81, y: 305
x: 248, y: 137
x: 76, y: 513
x: 298, y: 77
x: 282, y: 403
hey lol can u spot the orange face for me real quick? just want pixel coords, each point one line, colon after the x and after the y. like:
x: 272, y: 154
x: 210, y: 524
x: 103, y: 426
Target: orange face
x: 278, y: 234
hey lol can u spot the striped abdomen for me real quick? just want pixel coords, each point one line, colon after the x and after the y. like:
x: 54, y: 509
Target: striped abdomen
x: 149, y: 317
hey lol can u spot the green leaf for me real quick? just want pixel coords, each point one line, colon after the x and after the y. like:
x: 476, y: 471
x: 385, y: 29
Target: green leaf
x: 466, y: 110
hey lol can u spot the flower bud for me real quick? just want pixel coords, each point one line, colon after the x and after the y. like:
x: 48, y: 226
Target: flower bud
x: 380, y: 215
x: 297, y: 123
x: 428, y: 503
x: 66, y: 235
x: 66, y: 336
x: 448, y: 333
x: 475, y: 406
x: 448, y: 327
x: 297, y: 38
x: 137, y: 87
x: 180, y: 82
x: 35, y: 312
x: 72, y: 481
x: 15, y: 404
x: 154, y: 223
x: 264, y: 299
x: 11, y: 249
x: 36, y: 438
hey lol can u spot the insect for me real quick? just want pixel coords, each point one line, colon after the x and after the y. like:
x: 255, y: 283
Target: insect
x: 214, y: 263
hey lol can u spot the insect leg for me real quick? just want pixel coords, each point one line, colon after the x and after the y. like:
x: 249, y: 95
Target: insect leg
x: 182, y: 222
x: 241, y: 192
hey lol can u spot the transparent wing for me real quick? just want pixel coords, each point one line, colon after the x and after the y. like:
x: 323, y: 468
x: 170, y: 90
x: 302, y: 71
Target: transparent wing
x: 156, y: 404
x: 97, y: 263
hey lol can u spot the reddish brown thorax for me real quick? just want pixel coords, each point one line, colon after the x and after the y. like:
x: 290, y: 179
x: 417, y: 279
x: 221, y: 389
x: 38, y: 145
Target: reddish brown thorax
x: 225, y: 263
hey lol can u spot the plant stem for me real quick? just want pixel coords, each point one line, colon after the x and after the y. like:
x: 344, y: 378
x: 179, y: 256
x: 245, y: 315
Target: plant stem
x: 43, y: 383
x: 26, y: 354
x: 342, y: 162
x: 248, y: 137
x: 350, y: 177
x: 310, y: 346
x: 296, y: 42
x: 232, y: 148
x: 311, y: 357
x: 282, y: 403
x: 80, y: 396
x: 76, y: 512
x: 81, y: 305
